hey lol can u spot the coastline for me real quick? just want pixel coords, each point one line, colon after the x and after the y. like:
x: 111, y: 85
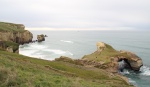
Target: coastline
x: 63, y: 65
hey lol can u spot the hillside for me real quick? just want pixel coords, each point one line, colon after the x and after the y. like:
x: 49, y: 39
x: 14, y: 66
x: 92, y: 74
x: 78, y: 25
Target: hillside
x: 21, y: 71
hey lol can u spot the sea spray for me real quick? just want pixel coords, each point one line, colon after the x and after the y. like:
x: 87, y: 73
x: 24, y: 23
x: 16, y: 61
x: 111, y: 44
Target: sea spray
x: 145, y: 71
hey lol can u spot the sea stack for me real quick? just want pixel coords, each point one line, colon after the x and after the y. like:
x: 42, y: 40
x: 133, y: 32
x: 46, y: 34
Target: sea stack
x: 41, y: 38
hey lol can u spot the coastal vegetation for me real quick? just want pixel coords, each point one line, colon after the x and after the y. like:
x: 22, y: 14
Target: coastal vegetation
x: 22, y: 71
x: 7, y: 27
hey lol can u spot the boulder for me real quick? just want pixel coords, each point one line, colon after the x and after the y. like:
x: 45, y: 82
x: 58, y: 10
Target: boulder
x: 40, y: 38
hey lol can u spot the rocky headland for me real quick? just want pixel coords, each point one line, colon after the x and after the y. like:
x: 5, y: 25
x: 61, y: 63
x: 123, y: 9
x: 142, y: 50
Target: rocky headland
x: 99, y: 69
x: 11, y: 35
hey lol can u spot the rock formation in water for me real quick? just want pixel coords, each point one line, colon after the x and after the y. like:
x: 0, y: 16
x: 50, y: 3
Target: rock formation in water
x: 41, y: 38
x: 109, y: 59
x: 11, y: 35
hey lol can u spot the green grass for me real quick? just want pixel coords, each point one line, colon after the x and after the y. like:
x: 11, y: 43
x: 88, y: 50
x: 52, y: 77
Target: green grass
x: 21, y: 71
x: 4, y: 26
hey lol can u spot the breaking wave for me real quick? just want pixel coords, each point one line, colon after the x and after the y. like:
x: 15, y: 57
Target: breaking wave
x: 145, y: 71
x: 41, y: 51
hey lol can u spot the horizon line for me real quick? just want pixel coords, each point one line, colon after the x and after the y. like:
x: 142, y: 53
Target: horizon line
x: 83, y: 29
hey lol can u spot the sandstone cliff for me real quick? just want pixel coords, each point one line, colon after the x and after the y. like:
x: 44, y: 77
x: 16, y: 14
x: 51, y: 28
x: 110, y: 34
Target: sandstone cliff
x: 13, y: 33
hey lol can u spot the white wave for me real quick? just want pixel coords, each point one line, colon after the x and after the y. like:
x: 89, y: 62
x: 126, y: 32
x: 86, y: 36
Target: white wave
x: 61, y: 52
x: 145, y: 71
x: 37, y: 46
x: 55, y: 51
x: 67, y: 41
x: 132, y: 82
x: 126, y: 71
x: 42, y: 51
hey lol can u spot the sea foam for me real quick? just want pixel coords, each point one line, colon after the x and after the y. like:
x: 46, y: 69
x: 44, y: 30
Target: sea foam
x: 55, y: 51
x: 145, y: 71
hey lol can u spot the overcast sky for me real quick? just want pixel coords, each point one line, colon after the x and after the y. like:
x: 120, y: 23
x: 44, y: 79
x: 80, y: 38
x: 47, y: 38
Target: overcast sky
x: 86, y: 14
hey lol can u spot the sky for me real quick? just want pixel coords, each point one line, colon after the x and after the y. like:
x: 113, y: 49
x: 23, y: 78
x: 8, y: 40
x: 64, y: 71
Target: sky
x: 77, y: 14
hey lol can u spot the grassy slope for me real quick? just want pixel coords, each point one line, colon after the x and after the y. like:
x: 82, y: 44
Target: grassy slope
x: 11, y: 27
x: 21, y: 71
x: 105, y: 55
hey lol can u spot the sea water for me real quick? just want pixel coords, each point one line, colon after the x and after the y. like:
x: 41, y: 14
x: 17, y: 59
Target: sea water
x: 76, y: 44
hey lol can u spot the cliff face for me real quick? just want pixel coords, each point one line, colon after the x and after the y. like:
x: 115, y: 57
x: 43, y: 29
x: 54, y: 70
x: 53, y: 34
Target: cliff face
x: 13, y: 33
x: 17, y: 37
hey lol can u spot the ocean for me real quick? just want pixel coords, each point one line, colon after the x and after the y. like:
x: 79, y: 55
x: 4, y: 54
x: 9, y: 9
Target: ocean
x: 76, y: 44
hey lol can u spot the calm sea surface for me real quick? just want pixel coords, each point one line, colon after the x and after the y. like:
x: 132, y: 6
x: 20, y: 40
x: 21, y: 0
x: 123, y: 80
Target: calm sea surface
x: 76, y: 44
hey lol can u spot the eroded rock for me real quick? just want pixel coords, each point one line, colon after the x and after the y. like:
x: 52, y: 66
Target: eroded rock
x: 41, y: 38
x: 110, y: 58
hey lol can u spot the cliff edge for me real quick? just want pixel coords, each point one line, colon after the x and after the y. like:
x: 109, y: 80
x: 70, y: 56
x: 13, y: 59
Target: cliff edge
x: 11, y: 35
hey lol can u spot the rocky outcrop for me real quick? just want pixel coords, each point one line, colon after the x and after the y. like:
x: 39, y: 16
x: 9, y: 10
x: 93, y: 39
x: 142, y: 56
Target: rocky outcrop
x: 13, y: 33
x: 109, y: 59
x: 100, y: 46
x: 41, y: 38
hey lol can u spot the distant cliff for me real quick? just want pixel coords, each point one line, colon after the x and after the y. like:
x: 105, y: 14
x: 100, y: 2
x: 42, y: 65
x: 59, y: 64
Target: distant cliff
x: 13, y: 33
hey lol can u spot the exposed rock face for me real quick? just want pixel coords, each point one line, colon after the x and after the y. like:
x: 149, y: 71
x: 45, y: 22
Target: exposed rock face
x: 41, y: 38
x: 11, y: 35
x: 14, y: 33
x: 17, y: 37
x: 100, y: 46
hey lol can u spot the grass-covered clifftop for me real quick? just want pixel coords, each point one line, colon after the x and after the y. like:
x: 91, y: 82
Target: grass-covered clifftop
x: 4, y: 26
x: 16, y: 33
x: 21, y: 71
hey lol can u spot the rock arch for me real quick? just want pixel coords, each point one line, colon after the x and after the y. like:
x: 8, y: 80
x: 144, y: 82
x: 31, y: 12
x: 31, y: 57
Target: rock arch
x: 133, y: 63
